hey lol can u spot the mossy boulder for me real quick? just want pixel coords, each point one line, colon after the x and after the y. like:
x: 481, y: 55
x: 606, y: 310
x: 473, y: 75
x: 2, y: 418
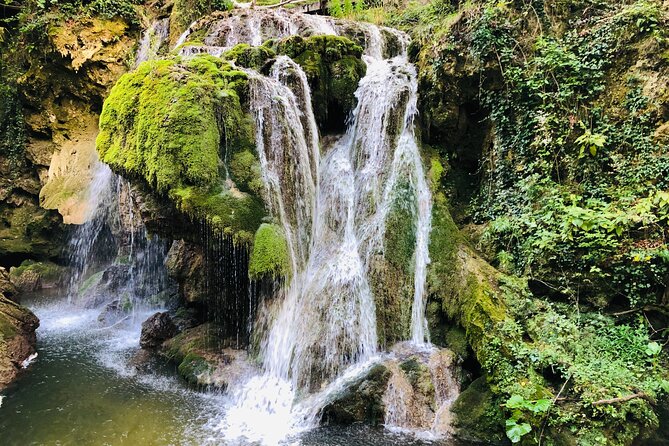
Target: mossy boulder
x: 205, y: 358
x: 478, y: 416
x: 175, y: 123
x: 269, y: 257
x: 247, y: 56
x: 334, y: 68
x: 31, y: 275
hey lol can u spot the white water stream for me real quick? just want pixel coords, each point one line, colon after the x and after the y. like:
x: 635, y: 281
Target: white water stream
x: 333, y: 205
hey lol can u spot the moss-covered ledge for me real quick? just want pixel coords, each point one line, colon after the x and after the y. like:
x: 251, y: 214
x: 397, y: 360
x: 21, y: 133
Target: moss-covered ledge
x: 174, y: 123
x: 334, y: 68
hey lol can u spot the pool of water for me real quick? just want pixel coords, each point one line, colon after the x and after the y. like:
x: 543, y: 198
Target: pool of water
x: 87, y: 387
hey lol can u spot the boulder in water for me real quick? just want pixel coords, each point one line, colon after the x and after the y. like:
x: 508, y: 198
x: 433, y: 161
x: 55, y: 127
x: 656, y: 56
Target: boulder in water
x: 112, y: 313
x: 206, y: 358
x: 156, y: 330
x: 360, y: 401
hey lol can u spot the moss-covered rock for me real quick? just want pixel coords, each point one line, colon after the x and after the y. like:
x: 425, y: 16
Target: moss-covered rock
x: 269, y: 257
x: 334, y: 68
x: 31, y: 276
x: 174, y: 123
x: 478, y: 416
x: 247, y: 56
x: 204, y: 358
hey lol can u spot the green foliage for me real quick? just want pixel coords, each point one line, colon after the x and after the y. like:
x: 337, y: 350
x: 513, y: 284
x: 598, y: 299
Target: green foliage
x: 12, y: 127
x: 515, y: 429
x: 109, y: 9
x: 348, y: 7
x: 572, y: 180
x: 335, y: 8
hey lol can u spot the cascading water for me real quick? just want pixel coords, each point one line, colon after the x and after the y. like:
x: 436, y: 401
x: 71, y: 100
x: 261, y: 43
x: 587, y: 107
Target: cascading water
x: 152, y: 39
x: 333, y: 205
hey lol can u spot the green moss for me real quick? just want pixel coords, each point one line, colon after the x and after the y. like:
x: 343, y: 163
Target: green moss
x: 160, y: 122
x: 175, y: 123
x: 245, y: 171
x: 46, y: 270
x: 270, y: 255
x: 334, y: 68
x: 478, y: 415
x: 192, y: 366
x: 192, y: 350
x: 90, y: 282
x: 392, y: 273
x: 247, y: 56
x: 237, y: 214
x: 419, y: 376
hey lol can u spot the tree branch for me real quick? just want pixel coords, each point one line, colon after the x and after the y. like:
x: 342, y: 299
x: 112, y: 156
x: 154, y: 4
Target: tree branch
x: 623, y: 399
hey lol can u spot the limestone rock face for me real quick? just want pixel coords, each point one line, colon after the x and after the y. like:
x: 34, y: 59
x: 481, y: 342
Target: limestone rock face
x: 64, y: 91
x: 157, y: 329
x: 17, y: 338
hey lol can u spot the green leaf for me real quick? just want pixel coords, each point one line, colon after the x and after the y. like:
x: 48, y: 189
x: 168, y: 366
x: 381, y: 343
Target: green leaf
x: 541, y: 406
x: 653, y: 349
x: 515, y: 402
x: 516, y: 431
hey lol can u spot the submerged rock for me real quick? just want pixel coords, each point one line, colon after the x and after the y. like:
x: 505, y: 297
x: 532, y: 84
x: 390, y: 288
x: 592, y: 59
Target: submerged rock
x: 156, y: 330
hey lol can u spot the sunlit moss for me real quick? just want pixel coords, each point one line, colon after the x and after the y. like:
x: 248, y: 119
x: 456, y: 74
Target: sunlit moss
x: 270, y: 255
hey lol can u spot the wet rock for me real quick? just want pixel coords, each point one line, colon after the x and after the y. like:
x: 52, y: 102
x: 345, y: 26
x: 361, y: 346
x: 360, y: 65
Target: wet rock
x: 156, y: 330
x: 361, y: 400
x: 205, y: 358
x: 104, y: 285
x: 185, y: 263
x: 17, y: 338
x: 7, y: 288
x: 112, y: 313
x: 421, y: 390
x: 142, y: 361
x: 32, y: 276
x: 185, y: 318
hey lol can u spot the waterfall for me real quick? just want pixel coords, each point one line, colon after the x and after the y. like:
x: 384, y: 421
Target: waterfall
x: 152, y: 39
x: 113, y: 231
x: 333, y: 204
